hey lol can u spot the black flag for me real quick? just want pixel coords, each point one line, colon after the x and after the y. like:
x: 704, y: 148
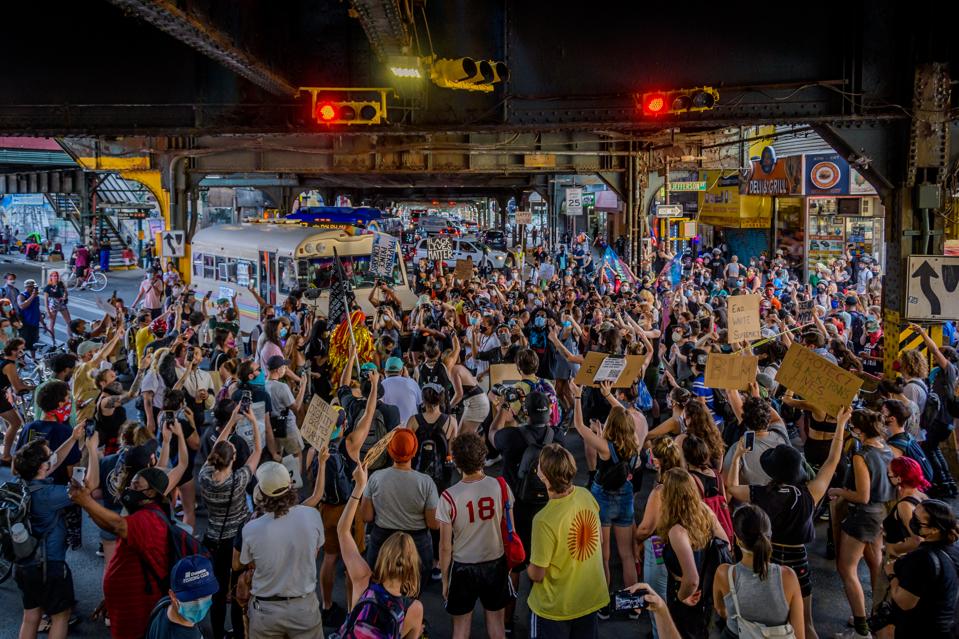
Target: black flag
x: 341, y: 293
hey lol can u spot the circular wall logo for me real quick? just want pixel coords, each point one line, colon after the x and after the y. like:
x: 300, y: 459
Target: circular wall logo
x: 825, y: 175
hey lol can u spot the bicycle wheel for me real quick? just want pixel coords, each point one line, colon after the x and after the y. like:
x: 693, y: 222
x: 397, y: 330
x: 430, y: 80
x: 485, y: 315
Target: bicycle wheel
x: 98, y: 281
x: 71, y: 281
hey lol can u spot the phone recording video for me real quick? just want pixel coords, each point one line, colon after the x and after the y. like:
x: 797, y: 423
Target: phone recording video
x: 625, y: 600
x: 749, y: 440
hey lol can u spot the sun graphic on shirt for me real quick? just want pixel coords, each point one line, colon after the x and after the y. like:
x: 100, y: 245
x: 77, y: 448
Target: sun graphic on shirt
x: 583, y: 537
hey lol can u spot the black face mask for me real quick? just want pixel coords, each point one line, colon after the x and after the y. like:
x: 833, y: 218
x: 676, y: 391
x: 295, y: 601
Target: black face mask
x: 914, y: 525
x: 133, y: 500
x: 116, y: 388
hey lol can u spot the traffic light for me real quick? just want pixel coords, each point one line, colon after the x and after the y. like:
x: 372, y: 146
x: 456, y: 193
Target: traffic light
x: 468, y: 74
x: 347, y: 112
x: 656, y: 103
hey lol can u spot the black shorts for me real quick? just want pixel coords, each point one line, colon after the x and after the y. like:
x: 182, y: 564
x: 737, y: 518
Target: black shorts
x: 523, y: 514
x: 53, y: 595
x: 487, y: 581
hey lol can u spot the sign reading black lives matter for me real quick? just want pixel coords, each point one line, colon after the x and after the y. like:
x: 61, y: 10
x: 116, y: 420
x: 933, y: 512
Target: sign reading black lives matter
x: 383, y: 256
x: 439, y: 248
x: 931, y: 291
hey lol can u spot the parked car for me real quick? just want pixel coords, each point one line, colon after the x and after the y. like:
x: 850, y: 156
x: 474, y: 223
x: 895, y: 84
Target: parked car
x: 495, y: 239
x: 463, y: 249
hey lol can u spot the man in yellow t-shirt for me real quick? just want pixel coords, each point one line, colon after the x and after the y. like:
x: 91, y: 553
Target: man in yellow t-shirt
x: 566, y: 558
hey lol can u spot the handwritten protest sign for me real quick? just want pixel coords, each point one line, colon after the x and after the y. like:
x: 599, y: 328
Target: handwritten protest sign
x: 504, y: 374
x: 805, y: 311
x: 383, y: 255
x: 817, y: 380
x: 319, y: 423
x: 464, y: 269
x: 731, y: 372
x: 439, y: 248
x: 743, y: 318
x: 622, y: 371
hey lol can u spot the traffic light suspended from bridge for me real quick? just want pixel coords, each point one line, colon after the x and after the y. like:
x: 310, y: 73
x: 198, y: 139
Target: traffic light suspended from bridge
x: 657, y: 103
x: 468, y: 74
x: 328, y: 107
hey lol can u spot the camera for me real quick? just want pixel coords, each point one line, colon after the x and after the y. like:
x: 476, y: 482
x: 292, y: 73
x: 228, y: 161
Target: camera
x: 509, y: 393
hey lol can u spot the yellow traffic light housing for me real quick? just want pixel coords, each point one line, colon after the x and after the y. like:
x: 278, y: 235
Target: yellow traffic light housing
x: 656, y: 103
x: 327, y: 110
x: 468, y: 74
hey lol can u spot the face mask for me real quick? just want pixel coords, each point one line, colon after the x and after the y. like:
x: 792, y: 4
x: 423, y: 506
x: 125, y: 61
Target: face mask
x: 132, y: 500
x: 474, y: 320
x: 115, y: 388
x: 259, y: 380
x: 231, y: 343
x: 53, y: 459
x: 283, y: 333
x: 677, y: 336
x: 567, y: 324
x: 8, y: 331
x: 504, y: 339
x: 914, y: 525
x: 537, y: 302
x: 7, y: 308
x: 540, y: 322
x: 195, y: 611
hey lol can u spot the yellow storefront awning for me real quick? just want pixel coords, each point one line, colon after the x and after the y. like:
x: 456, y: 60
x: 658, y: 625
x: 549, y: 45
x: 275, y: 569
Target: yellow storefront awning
x: 722, y: 205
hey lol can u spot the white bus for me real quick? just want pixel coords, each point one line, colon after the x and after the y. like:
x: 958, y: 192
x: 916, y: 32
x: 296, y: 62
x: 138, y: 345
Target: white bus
x: 277, y: 258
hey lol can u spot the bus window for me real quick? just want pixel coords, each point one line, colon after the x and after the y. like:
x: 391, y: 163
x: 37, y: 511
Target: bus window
x: 356, y: 269
x: 267, y: 277
x: 226, y: 269
x: 209, y: 268
x: 198, y: 265
x: 287, y: 275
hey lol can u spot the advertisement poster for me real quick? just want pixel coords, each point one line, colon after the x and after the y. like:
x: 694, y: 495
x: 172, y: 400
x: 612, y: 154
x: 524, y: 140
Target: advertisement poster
x: 858, y: 184
x: 826, y: 174
x: 771, y: 175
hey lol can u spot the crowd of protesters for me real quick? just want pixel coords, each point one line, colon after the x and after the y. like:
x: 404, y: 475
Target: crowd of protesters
x: 178, y: 435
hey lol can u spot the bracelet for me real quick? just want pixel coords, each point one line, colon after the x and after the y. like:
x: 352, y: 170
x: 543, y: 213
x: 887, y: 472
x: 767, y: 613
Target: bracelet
x: 355, y: 497
x: 579, y: 398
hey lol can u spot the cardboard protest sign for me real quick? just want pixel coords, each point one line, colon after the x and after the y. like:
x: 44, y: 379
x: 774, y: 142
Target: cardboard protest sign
x: 817, y: 380
x: 439, y: 248
x: 731, y: 372
x: 743, y: 318
x: 383, y: 255
x: 599, y: 367
x: 318, y: 424
x: 504, y: 374
x: 464, y: 269
x: 805, y: 311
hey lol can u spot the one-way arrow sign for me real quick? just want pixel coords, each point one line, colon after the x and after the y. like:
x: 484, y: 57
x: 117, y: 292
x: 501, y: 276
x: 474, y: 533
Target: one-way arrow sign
x: 172, y: 243
x: 932, y: 284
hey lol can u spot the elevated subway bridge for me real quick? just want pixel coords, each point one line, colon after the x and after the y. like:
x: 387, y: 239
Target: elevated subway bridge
x: 168, y: 93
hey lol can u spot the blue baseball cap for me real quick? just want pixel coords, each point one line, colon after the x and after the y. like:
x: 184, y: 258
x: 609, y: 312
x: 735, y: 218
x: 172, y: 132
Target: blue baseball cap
x: 393, y: 365
x: 192, y: 578
x: 368, y: 366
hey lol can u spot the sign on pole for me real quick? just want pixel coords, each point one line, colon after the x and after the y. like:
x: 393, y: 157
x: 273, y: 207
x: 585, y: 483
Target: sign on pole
x: 931, y: 289
x: 172, y: 243
x: 743, y: 319
x: 439, y: 248
x: 669, y: 210
x: 574, y: 201
x: 524, y: 217
x: 687, y: 186
x: 383, y: 256
x: 817, y: 380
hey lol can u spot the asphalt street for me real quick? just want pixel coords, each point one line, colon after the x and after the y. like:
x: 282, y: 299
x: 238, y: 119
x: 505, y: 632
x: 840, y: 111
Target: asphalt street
x: 830, y: 607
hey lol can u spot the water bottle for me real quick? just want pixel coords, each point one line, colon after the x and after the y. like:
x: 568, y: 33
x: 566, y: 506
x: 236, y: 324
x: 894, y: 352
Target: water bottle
x: 23, y: 543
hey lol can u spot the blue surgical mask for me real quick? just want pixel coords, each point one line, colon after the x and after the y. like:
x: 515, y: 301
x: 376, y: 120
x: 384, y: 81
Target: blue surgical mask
x: 259, y: 380
x: 567, y: 324
x: 474, y: 320
x: 8, y: 331
x: 7, y: 308
x: 540, y: 322
x: 283, y: 332
x: 195, y: 611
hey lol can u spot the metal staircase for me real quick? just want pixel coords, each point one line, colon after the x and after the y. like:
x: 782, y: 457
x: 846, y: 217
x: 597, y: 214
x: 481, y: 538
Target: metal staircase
x: 67, y: 206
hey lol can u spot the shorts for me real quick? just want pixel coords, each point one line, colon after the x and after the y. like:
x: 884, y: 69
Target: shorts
x: 864, y: 522
x: 585, y: 627
x: 523, y: 514
x: 331, y: 516
x: 30, y: 335
x: 475, y: 408
x: 53, y: 595
x: 487, y: 581
x: 615, y: 507
x: 292, y: 444
x: 795, y: 557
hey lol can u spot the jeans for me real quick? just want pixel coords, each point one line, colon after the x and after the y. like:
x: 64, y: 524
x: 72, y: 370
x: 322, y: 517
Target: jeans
x: 654, y: 572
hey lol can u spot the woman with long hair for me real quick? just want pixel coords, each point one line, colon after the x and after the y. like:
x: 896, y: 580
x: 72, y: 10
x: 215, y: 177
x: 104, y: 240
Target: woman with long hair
x: 699, y: 422
x: 223, y: 489
x: 394, y: 579
x: 755, y: 589
x: 227, y: 371
x: 434, y: 371
x: 10, y: 385
x: 846, y: 358
x: 666, y: 456
x: 617, y: 449
x: 274, y: 337
x: 867, y: 490
x: 688, y: 526
x: 57, y: 298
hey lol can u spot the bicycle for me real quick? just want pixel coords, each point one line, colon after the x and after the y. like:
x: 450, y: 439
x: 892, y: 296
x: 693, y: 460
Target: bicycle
x: 95, y: 280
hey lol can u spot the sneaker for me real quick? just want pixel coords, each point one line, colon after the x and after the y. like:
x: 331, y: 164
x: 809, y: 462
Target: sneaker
x: 436, y: 574
x: 604, y: 612
x: 334, y: 616
x: 492, y: 461
x: 850, y: 633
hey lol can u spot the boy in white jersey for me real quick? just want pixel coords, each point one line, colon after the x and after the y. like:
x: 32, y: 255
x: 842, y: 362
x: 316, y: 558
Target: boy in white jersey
x: 471, y: 544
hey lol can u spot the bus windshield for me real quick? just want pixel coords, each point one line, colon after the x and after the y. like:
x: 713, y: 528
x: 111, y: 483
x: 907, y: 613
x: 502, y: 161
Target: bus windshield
x: 318, y: 272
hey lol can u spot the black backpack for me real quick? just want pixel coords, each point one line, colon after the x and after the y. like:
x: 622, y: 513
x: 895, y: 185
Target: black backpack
x: 433, y: 450
x: 618, y: 474
x: 932, y: 408
x: 338, y: 487
x: 15, y: 498
x: 531, y: 489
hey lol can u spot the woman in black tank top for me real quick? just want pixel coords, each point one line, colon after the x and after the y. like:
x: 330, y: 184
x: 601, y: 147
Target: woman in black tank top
x: 906, y: 475
x: 110, y: 415
x: 820, y: 429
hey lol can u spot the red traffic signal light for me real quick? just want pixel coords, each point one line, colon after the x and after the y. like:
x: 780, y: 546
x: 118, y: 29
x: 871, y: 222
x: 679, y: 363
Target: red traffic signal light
x: 654, y: 103
x: 348, y: 112
x: 326, y: 112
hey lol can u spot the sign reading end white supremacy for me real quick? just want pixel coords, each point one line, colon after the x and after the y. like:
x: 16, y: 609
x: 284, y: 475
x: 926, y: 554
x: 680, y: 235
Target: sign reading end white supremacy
x: 743, y: 319
x: 439, y: 248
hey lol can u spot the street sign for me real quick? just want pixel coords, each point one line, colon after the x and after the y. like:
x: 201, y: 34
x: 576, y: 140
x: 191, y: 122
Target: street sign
x: 172, y: 243
x: 687, y: 186
x: 574, y: 201
x: 669, y: 210
x: 931, y: 290
x: 524, y: 217
x: 539, y: 160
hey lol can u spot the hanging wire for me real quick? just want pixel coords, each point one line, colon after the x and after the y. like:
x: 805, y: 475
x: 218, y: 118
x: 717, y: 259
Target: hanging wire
x: 426, y: 24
